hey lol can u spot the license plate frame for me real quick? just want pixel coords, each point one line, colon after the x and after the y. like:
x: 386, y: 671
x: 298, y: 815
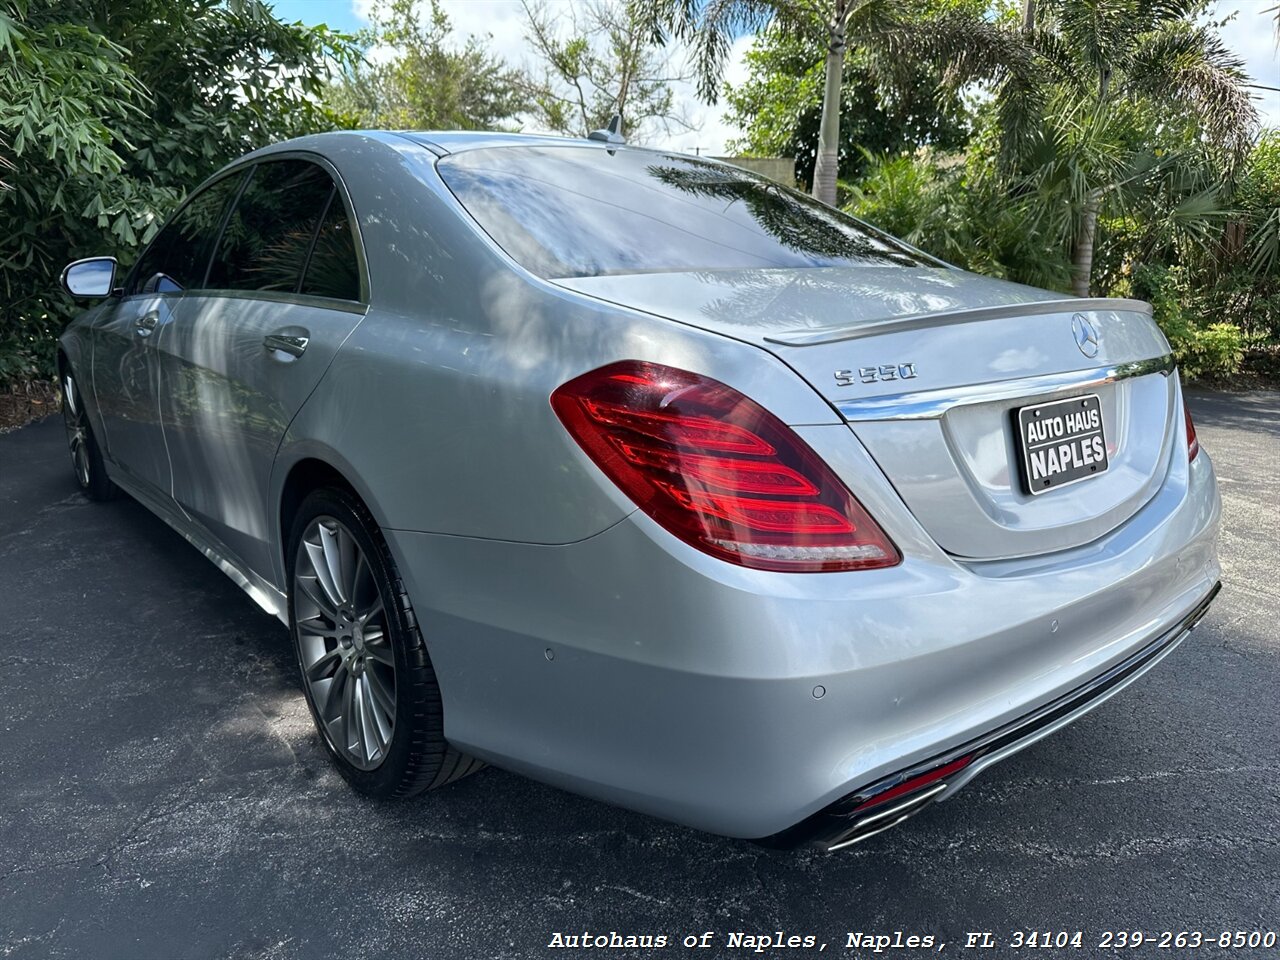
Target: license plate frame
x: 1061, y: 442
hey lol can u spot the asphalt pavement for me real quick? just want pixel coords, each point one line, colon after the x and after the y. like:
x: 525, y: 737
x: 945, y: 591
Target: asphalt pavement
x: 163, y: 795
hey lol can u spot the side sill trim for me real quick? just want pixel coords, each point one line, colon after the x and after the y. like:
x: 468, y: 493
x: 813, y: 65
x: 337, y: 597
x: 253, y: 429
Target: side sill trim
x: 262, y: 593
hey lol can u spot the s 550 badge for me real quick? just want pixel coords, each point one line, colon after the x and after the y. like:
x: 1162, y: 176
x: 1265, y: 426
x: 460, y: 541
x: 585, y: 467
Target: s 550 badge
x: 886, y: 371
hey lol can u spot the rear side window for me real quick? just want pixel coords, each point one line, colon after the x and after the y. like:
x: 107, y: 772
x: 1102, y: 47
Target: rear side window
x: 179, y: 255
x: 333, y: 270
x: 584, y: 211
x: 269, y: 234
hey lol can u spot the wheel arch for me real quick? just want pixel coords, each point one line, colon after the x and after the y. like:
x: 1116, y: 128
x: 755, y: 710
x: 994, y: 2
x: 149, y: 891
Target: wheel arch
x: 63, y: 364
x: 310, y: 467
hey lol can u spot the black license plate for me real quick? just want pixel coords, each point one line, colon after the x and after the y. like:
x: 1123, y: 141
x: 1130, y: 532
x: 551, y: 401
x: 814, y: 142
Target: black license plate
x: 1061, y: 442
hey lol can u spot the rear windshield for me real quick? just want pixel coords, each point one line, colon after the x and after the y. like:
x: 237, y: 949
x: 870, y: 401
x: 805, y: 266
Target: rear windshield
x: 585, y: 212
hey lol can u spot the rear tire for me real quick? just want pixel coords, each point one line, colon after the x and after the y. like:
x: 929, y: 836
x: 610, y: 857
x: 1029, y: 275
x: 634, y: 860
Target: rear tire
x: 367, y: 677
x: 86, y: 456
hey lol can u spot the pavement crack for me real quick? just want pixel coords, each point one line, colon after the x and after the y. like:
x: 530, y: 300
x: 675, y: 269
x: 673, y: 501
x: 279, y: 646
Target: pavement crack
x: 638, y: 895
x: 153, y: 814
x: 70, y: 502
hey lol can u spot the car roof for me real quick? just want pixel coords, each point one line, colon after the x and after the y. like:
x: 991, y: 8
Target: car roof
x: 439, y: 142
x: 458, y: 141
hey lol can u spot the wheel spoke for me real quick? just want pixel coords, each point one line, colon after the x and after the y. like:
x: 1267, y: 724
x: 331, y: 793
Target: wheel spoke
x: 378, y: 649
x: 317, y: 627
x: 311, y: 588
x: 351, y: 715
x: 332, y: 693
x: 373, y: 739
x: 319, y: 564
x: 336, y: 547
x: 325, y: 666
x: 382, y: 695
x: 374, y: 610
x: 80, y: 457
x: 362, y: 583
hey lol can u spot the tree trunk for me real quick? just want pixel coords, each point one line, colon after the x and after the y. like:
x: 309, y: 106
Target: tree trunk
x: 1082, y: 255
x: 826, y: 169
x: 1028, y: 16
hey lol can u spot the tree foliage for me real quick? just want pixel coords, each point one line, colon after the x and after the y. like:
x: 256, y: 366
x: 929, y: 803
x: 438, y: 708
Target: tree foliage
x: 869, y: 32
x: 110, y: 110
x: 1084, y: 93
x: 778, y: 106
x: 827, y: 27
x: 414, y: 76
x: 1116, y: 154
x: 595, y: 59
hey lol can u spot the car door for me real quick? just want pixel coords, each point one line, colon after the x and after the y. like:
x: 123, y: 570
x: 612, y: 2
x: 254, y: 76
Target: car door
x: 125, y: 356
x: 284, y: 291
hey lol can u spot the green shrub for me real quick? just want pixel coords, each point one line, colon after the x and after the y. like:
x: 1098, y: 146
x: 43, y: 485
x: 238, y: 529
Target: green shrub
x: 27, y: 353
x: 1203, y: 349
x: 1213, y: 351
x: 957, y: 209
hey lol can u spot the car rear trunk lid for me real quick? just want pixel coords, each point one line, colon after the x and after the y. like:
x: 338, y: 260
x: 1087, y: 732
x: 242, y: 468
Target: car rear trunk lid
x: 930, y: 366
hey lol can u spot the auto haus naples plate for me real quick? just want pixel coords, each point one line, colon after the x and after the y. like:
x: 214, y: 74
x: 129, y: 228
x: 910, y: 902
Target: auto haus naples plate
x: 1061, y: 442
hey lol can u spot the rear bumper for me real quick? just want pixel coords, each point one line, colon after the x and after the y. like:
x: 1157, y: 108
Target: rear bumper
x: 631, y: 668
x: 889, y: 801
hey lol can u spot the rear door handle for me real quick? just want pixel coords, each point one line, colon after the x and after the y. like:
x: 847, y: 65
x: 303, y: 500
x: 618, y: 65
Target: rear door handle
x: 146, y: 324
x: 294, y: 346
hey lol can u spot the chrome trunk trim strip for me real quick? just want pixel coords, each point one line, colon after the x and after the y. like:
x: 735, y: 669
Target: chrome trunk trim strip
x: 931, y: 404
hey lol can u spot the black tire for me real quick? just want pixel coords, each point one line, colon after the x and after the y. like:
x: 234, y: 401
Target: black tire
x: 86, y: 456
x: 417, y: 757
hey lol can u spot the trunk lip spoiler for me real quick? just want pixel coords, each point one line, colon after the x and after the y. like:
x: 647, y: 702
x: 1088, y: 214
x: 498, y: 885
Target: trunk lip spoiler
x: 915, y: 321
x: 932, y: 404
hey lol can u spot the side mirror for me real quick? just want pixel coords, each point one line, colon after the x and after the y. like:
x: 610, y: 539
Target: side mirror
x: 94, y: 277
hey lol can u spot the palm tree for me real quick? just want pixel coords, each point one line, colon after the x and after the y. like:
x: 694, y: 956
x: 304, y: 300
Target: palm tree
x: 710, y: 26
x: 1079, y: 87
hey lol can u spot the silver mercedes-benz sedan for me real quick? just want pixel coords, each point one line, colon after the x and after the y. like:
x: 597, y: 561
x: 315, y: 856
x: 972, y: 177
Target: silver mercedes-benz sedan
x: 643, y: 475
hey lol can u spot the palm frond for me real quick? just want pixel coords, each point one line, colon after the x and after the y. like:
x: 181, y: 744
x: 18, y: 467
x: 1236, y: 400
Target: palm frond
x: 709, y: 27
x: 1264, y: 246
x: 1188, y: 63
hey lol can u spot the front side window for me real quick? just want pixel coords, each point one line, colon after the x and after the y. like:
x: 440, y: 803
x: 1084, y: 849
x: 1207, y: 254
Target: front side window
x: 582, y: 211
x: 269, y: 234
x: 179, y: 255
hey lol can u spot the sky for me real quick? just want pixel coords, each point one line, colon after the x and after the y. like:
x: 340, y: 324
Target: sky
x: 1250, y: 34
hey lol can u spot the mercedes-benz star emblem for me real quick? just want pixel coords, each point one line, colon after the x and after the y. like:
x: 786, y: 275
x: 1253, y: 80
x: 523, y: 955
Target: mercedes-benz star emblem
x: 1086, y: 335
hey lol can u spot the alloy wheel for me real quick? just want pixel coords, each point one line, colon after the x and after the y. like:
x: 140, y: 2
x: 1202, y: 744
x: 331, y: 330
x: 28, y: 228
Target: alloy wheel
x: 347, y: 659
x: 77, y: 430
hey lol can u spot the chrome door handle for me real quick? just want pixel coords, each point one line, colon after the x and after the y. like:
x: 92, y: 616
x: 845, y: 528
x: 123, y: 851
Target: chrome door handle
x: 294, y: 346
x: 146, y: 324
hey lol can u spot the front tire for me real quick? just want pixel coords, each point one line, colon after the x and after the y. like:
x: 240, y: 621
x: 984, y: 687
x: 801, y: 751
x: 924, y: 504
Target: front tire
x: 86, y: 455
x: 368, y: 680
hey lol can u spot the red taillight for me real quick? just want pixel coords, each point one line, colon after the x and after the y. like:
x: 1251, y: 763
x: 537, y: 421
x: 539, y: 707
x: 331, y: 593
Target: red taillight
x: 1193, y: 445
x: 719, y: 471
x: 916, y: 783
